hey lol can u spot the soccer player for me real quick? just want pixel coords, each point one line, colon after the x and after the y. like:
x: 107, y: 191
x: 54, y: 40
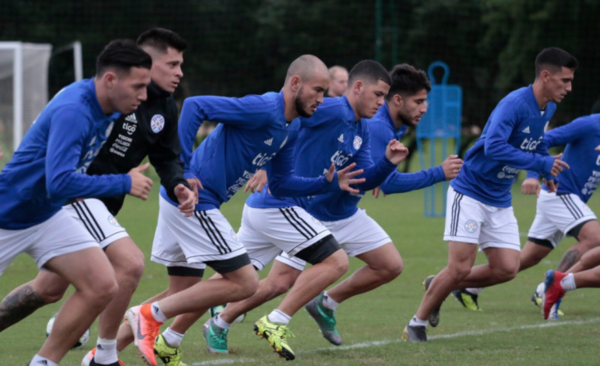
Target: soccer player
x: 254, y: 131
x: 478, y: 209
x: 338, y: 81
x: 47, y: 169
x: 563, y: 214
x: 151, y: 131
x: 337, y: 132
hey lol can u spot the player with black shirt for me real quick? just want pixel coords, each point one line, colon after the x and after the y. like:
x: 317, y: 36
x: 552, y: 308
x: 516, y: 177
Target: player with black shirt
x: 150, y: 131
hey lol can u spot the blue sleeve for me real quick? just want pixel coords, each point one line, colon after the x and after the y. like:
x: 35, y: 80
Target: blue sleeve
x: 568, y: 133
x: 283, y: 182
x: 496, y: 147
x: 250, y: 112
x: 67, y: 133
x: 374, y: 174
x: 405, y: 182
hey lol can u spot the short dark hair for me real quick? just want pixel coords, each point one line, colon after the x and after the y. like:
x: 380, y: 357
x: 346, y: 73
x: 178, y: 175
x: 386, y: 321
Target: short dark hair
x: 121, y: 55
x: 161, y: 39
x: 553, y: 59
x: 370, y: 71
x: 407, y: 81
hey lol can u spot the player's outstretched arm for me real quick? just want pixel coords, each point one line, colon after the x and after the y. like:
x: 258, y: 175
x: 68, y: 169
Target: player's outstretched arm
x: 140, y: 184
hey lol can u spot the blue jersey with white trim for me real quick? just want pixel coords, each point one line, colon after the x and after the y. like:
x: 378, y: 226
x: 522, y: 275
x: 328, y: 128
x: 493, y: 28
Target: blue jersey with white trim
x: 512, y: 139
x: 331, y: 135
x: 581, y: 137
x: 382, y: 130
x: 48, y: 167
x: 252, y: 133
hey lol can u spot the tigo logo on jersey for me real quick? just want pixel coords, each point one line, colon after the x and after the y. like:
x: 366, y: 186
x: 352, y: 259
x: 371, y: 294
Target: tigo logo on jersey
x: 357, y: 142
x: 157, y: 123
x: 471, y: 226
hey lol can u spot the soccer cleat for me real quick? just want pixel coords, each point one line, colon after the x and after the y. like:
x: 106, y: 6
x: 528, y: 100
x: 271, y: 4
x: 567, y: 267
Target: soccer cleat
x: 145, y: 330
x: 467, y: 299
x: 417, y: 333
x: 215, y: 336
x: 325, y: 319
x: 170, y: 356
x: 554, y: 292
x: 88, y: 360
x: 276, y: 334
x: 538, y: 297
x: 434, y: 318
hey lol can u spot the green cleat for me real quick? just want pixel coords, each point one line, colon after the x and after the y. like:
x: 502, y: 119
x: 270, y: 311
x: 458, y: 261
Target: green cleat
x: 467, y: 299
x: 215, y: 336
x: 434, y: 318
x: 170, y: 356
x: 276, y: 335
x: 325, y: 319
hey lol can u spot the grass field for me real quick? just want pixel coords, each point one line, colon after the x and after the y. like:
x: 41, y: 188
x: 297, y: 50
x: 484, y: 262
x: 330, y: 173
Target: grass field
x: 509, y: 330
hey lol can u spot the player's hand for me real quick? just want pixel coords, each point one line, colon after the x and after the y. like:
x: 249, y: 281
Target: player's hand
x: 396, y: 152
x: 552, y: 185
x: 376, y: 192
x: 558, y: 166
x: 345, y: 177
x: 531, y: 186
x: 195, y: 184
x: 187, y: 200
x: 140, y: 184
x: 257, y: 182
x: 451, y: 166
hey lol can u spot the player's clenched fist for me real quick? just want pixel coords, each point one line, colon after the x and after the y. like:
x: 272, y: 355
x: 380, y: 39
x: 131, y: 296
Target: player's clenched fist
x: 396, y: 152
x: 140, y: 184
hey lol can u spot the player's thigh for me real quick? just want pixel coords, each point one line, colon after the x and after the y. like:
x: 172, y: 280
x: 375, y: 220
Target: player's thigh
x: 503, y: 259
x: 125, y: 256
x: 385, y: 257
x: 49, y: 284
x: 500, y: 230
x: 590, y: 232
x: 260, y: 249
x: 535, y: 251
x: 461, y: 255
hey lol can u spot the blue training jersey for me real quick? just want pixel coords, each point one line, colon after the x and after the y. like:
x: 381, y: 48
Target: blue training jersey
x: 382, y: 130
x: 48, y: 167
x: 511, y: 140
x: 331, y: 135
x: 252, y: 133
x: 581, y: 138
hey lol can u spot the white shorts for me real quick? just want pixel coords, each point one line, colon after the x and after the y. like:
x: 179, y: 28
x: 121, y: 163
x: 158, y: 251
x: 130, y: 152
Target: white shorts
x: 95, y: 217
x: 358, y: 234
x: 182, y: 241
x: 59, y: 235
x: 556, y: 215
x: 471, y: 221
x: 266, y: 232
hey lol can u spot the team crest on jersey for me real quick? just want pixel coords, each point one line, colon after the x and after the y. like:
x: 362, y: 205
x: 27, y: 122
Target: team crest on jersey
x: 357, y: 142
x: 471, y: 226
x: 112, y: 220
x: 234, y: 235
x: 157, y: 123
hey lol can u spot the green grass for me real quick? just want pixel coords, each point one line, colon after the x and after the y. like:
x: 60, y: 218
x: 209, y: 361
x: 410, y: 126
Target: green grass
x: 376, y: 316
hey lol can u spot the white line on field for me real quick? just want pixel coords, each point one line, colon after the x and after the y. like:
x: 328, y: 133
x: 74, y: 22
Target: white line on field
x: 231, y: 361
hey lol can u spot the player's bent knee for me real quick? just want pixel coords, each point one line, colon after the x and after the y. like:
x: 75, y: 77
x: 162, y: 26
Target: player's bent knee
x: 320, y: 250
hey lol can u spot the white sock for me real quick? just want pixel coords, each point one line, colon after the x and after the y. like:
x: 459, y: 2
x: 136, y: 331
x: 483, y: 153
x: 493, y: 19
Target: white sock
x: 38, y: 361
x: 219, y: 322
x: 474, y: 291
x: 157, y: 313
x: 416, y: 322
x: 568, y: 283
x: 106, y: 351
x: 541, y: 289
x: 172, y: 338
x: 279, y: 317
x: 328, y: 302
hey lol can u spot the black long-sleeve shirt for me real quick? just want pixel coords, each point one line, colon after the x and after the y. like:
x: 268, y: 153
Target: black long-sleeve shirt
x: 149, y: 131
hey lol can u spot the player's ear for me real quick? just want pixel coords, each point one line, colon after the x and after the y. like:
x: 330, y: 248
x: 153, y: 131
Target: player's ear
x: 398, y: 100
x: 357, y: 86
x: 545, y: 75
x: 295, y: 83
x: 109, y: 78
